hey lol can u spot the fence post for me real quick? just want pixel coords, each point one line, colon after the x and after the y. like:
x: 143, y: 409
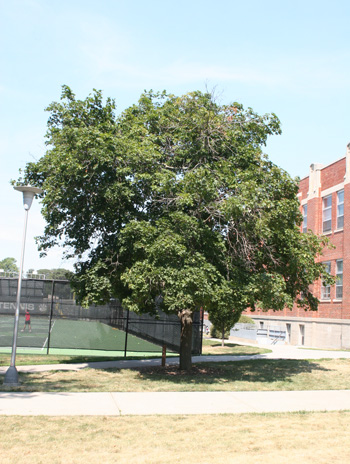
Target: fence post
x: 201, y: 313
x: 50, y: 318
x: 163, y: 355
x: 126, y: 334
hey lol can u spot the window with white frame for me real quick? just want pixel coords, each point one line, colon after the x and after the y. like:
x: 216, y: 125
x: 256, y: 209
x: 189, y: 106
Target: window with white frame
x: 305, y: 218
x: 340, y: 209
x: 339, y: 281
x: 327, y: 214
x: 326, y: 288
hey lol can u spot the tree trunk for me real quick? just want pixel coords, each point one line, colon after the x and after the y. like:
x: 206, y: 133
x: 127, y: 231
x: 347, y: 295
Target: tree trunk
x: 185, y: 317
x: 223, y: 337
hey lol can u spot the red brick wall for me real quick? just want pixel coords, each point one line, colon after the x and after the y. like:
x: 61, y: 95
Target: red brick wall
x: 331, y: 176
x: 314, y: 215
x: 303, y: 188
x: 346, y: 254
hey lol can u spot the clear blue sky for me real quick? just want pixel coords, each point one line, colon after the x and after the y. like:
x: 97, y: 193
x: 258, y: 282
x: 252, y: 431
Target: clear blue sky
x: 287, y: 57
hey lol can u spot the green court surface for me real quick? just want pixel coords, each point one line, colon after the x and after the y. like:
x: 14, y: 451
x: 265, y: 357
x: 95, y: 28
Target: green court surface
x: 73, y: 337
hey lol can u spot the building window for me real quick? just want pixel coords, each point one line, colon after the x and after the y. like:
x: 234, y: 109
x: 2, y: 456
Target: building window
x: 327, y: 213
x: 339, y: 281
x: 305, y: 218
x: 326, y: 288
x: 340, y: 209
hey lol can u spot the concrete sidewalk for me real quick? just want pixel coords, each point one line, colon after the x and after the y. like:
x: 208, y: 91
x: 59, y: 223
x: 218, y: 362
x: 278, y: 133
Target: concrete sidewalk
x: 171, y: 403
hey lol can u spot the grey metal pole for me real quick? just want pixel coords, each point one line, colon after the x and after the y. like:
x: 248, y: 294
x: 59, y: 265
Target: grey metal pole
x: 11, y: 376
x: 126, y: 335
x: 50, y: 317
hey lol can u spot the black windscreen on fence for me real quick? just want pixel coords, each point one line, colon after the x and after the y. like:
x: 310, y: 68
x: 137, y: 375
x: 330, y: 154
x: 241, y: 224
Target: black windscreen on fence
x: 57, y: 321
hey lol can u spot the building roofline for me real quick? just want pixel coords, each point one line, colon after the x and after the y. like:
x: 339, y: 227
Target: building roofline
x: 326, y: 166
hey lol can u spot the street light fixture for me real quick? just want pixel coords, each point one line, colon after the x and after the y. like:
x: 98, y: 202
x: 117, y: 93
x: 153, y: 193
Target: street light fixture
x: 11, y: 376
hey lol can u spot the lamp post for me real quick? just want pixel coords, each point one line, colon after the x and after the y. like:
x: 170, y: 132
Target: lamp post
x: 11, y: 376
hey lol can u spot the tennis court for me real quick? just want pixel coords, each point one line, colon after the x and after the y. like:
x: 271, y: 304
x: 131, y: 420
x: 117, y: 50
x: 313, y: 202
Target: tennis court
x: 66, y: 335
x: 35, y: 339
x: 60, y: 324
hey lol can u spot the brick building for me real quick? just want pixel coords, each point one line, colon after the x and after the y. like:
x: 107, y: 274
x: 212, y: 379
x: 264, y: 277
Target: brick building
x: 325, y: 204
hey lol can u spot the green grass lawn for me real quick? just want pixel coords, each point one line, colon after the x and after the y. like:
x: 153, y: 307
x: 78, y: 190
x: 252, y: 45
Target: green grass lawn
x: 254, y: 375
x: 213, y: 347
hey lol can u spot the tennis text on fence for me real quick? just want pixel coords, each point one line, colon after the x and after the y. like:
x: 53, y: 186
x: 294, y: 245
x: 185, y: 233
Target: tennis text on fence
x: 24, y: 306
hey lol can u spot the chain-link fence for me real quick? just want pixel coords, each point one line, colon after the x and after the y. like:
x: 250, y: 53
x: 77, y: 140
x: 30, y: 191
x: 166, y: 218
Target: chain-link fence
x: 57, y: 321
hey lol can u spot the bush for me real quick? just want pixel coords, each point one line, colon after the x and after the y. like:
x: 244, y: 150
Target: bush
x: 216, y: 333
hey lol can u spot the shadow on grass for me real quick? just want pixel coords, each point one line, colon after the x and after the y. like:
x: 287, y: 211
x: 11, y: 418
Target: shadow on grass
x: 26, y: 360
x: 258, y: 374
x: 88, y: 359
x: 46, y: 382
x: 91, y: 359
x: 265, y: 371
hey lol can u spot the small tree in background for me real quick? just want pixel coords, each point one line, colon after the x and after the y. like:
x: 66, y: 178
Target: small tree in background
x: 56, y: 274
x: 9, y: 265
x: 223, y: 322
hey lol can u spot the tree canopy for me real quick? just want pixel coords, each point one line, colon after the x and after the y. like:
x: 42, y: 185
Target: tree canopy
x: 173, y: 205
x: 9, y: 265
x: 56, y: 274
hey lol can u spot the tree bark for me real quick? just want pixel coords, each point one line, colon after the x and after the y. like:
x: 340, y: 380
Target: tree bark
x: 185, y: 317
x: 223, y: 337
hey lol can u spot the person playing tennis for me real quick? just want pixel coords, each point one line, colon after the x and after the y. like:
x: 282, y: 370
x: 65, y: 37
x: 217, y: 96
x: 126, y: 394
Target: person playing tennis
x: 27, y: 322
